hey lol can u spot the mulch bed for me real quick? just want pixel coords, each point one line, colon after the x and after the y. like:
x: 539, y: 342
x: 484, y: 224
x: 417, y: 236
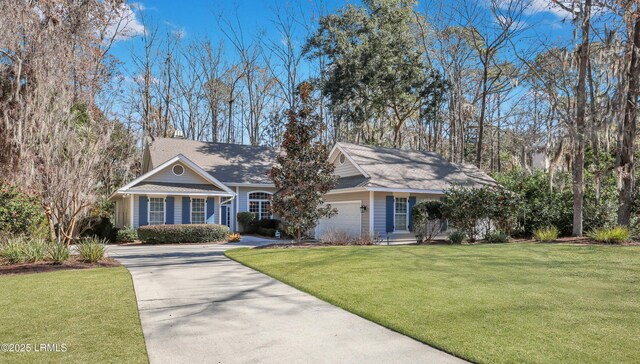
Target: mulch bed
x: 39, y: 267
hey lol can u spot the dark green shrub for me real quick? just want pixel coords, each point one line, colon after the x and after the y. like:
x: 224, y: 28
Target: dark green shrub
x: 266, y: 232
x: 91, y: 250
x: 193, y: 233
x: 19, y: 212
x: 539, y: 203
x: 248, y: 222
x: 99, y: 226
x: 58, y: 253
x: 126, y: 235
x: 427, y: 216
x: 269, y: 223
x: 457, y: 237
x: 497, y: 237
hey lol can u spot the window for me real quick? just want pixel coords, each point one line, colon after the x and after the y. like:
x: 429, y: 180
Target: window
x: 401, y: 220
x: 260, y: 205
x: 178, y: 170
x: 342, y: 158
x: 156, y: 211
x: 197, y: 211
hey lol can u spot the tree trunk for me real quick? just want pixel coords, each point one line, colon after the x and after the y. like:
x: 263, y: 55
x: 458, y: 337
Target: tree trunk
x: 625, y: 160
x: 483, y: 107
x: 581, y: 95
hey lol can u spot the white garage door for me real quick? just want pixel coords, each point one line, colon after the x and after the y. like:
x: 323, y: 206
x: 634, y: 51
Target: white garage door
x: 347, y: 220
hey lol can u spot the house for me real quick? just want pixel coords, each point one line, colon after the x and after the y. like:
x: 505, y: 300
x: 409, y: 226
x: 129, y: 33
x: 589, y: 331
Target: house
x: 192, y: 182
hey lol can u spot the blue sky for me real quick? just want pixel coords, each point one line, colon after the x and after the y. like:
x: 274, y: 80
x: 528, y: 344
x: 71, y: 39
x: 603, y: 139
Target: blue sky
x: 199, y: 17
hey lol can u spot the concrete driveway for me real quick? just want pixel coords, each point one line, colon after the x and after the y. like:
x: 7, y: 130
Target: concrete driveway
x: 197, y: 306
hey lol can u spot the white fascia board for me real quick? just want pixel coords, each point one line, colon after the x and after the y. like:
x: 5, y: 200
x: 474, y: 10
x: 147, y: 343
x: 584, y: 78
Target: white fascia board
x: 194, y: 167
x: 169, y: 193
x: 249, y: 184
x: 404, y: 190
x: 346, y: 190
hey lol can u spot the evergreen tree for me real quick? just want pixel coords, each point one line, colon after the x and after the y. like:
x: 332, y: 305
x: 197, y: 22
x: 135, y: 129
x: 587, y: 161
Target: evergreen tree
x: 303, y: 173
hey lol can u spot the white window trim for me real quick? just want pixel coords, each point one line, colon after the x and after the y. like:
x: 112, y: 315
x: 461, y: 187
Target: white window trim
x: 174, y: 172
x: 406, y: 228
x: 191, y: 209
x: 164, y: 208
x: 249, y: 200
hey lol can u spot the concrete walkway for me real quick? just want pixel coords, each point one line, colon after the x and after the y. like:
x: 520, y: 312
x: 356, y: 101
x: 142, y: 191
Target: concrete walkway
x: 197, y: 306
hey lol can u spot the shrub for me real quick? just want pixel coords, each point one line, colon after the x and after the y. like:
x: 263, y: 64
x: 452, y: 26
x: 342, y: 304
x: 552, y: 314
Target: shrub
x: 91, y: 250
x: 35, y: 250
x: 98, y: 226
x: 457, y: 237
x: 248, y: 221
x: 19, y: 212
x: 13, y: 251
x: 426, y: 219
x: 58, y: 253
x: 615, y: 235
x: 269, y: 223
x: 546, y: 234
x: 193, y: 233
x: 339, y: 237
x: 233, y: 238
x: 266, y: 232
x: 126, y: 235
x: 496, y: 237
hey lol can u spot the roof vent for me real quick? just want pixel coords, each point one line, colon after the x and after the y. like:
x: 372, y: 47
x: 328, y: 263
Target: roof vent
x: 178, y: 134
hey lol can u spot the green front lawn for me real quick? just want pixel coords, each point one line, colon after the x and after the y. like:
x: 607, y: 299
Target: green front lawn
x: 486, y: 303
x: 92, y: 311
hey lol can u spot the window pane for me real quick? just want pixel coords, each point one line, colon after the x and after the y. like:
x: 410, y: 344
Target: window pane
x: 156, y: 211
x: 401, y: 222
x: 401, y: 205
x: 198, y: 211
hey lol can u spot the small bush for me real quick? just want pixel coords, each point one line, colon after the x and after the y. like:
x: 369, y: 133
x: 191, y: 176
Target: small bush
x: 248, y: 221
x: 98, y: 226
x: 58, y: 253
x: 20, y: 213
x: 35, y: 250
x: 457, y: 237
x: 269, y: 223
x: 338, y: 237
x: 187, y: 233
x: 266, y: 232
x: 126, y: 235
x: 496, y: 237
x: 92, y: 250
x: 233, y: 238
x: 13, y: 251
x: 546, y: 234
x: 615, y: 235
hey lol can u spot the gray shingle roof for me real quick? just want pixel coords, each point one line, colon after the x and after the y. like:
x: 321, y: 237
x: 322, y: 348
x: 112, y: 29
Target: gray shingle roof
x: 173, y: 187
x: 411, y: 169
x: 229, y: 163
x: 386, y: 167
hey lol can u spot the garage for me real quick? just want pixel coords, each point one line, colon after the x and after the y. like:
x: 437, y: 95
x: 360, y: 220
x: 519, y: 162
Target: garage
x: 347, y: 220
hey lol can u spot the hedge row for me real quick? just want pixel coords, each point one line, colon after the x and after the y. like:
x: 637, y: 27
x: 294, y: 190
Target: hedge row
x: 191, y: 233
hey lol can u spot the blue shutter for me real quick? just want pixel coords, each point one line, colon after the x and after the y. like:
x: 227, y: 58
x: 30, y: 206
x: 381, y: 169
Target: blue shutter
x: 143, y: 205
x: 390, y: 212
x: 168, y: 218
x: 223, y: 211
x: 412, y: 202
x: 210, y: 210
x: 186, y: 210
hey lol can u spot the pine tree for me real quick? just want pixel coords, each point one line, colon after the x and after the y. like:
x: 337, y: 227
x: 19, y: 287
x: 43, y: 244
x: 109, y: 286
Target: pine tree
x: 303, y: 173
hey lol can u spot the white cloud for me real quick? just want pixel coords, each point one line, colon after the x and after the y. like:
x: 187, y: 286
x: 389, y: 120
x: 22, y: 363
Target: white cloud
x: 545, y: 6
x: 124, y: 23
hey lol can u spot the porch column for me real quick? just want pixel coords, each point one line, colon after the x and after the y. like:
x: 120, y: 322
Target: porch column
x: 219, y: 212
x: 236, y: 209
x: 131, y: 210
x: 371, y: 219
